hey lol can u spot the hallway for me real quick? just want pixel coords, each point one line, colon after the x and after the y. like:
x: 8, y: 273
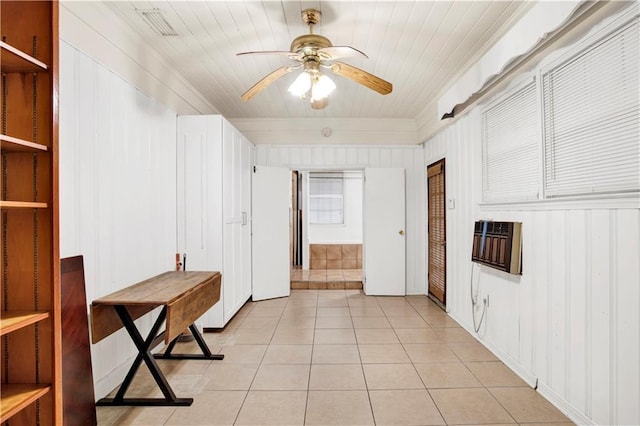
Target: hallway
x: 340, y: 357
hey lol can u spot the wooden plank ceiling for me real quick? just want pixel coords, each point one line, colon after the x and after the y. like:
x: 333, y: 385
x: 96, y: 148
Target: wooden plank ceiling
x: 419, y: 46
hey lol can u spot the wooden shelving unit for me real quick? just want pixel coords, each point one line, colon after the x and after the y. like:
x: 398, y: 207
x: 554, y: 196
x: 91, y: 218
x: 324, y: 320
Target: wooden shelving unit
x: 30, y: 390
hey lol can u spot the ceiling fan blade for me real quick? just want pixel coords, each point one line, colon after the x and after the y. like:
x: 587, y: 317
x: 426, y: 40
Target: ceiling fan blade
x: 360, y: 76
x: 266, y: 81
x: 291, y: 55
x: 336, y: 52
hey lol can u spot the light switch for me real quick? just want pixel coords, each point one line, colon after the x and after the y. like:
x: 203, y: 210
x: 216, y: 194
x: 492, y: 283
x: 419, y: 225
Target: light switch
x: 451, y: 202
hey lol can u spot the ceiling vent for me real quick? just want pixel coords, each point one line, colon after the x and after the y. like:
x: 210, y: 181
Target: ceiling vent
x: 157, y: 21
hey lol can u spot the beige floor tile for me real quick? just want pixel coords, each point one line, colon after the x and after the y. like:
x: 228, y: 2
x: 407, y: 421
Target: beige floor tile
x: 336, y: 377
x: 408, y: 322
x: 383, y: 354
x: 293, y: 336
x: 332, y: 301
x: 330, y: 322
x: 259, y: 323
x: 447, y: 375
x: 405, y: 310
x: 364, y: 302
x: 469, y: 406
x: 376, y: 335
x: 251, y: 336
x: 296, y: 311
x: 494, y: 374
x: 430, y: 352
x: 297, y: 322
x: 417, y: 335
x: 526, y: 405
x: 288, y: 354
x: 266, y: 311
x: 185, y: 366
x: 392, y: 376
x: 366, y: 310
x: 209, y: 408
x: 335, y: 354
x: 440, y: 321
x: 230, y: 376
x: 333, y: 311
x: 370, y: 322
x: 331, y: 336
x: 454, y: 335
x: 338, y: 408
x: 303, y: 294
x: 146, y: 416
x: 318, y: 275
x: 302, y: 302
x: 281, y: 377
x: 273, y: 408
x: 472, y: 351
x: 272, y: 303
x: 404, y: 408
x: 242, y: 354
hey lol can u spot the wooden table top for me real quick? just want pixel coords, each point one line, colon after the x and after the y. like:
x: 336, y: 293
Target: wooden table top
x: 185, y: 294
x: 162, y: 289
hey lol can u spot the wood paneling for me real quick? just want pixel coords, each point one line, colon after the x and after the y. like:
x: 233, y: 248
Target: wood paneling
x: 118, y: 190
x: 570, y: 321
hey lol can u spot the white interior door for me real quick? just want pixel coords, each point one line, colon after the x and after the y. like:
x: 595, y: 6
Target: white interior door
x: 384, y: 232
x: 270, y: 196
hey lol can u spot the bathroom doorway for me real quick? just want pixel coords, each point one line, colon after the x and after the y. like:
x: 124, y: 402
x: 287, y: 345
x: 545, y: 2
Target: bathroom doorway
x: 326, y: 229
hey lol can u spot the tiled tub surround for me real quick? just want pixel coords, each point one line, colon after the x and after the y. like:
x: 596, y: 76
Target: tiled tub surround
x: 340, y: 358
x: 335, y: 256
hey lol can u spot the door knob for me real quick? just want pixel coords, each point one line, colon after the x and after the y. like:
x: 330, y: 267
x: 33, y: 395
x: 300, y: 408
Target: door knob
x: 401, y: 232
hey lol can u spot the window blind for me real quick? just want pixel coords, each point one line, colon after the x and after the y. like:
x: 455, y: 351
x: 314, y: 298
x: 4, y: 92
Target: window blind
x: 592, y: 117
x: 326, y: 198
x: 510, y: 157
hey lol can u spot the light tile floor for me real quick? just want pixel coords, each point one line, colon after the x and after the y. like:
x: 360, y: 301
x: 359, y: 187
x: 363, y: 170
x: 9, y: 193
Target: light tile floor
x: 337, y: 357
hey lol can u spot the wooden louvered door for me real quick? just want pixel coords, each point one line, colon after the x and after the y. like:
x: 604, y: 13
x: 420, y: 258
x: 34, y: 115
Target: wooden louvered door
x: 437, y: 232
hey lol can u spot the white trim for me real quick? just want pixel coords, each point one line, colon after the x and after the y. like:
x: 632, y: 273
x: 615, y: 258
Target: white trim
x: 565, y: 407
x: 614, y: 202
x: 543, y: 19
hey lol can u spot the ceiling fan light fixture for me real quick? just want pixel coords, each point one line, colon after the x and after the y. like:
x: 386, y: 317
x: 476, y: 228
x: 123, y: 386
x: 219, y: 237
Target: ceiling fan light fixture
x: 322, y: 87
x: 301, y: 85
x: 319, y: 103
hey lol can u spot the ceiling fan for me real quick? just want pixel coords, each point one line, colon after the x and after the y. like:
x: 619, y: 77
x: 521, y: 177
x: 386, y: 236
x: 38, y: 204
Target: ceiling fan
x: 315, y: 53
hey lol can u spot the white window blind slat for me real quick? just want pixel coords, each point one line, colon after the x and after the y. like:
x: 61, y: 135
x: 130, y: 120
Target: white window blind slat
x: 510, y: 147
x: 592, y: 118
x: 326, y: 198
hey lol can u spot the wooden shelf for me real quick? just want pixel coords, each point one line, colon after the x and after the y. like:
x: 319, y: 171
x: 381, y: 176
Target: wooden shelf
x: 15, y: 320
x: 15, y: 397
x: 15, y: 60
x: 11, y: 144
x: 22, y: 205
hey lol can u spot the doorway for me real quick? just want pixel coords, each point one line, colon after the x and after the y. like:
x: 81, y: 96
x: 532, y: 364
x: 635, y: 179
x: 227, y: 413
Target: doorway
x: 436, y: 225
x: 326, y: 229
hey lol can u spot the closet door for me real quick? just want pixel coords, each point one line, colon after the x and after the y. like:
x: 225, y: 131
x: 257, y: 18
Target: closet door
x: 247, y: 150
x: 231, y: 213
x: 199, y: 192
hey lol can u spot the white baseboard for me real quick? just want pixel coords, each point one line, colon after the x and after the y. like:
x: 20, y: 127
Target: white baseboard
x: 563, y: 405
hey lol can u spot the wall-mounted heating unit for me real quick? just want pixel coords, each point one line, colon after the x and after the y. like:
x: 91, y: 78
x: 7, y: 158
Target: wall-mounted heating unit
x: 498, y: 245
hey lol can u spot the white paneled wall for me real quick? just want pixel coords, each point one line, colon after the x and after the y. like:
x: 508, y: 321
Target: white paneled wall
x: 320, y: 157
x: 117, y: 190
x: 572, y: 319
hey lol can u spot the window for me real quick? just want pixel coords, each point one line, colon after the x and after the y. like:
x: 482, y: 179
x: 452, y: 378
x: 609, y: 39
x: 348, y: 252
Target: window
x: 592, y: 118
x: 510, y: 166
x: 326, y: 198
